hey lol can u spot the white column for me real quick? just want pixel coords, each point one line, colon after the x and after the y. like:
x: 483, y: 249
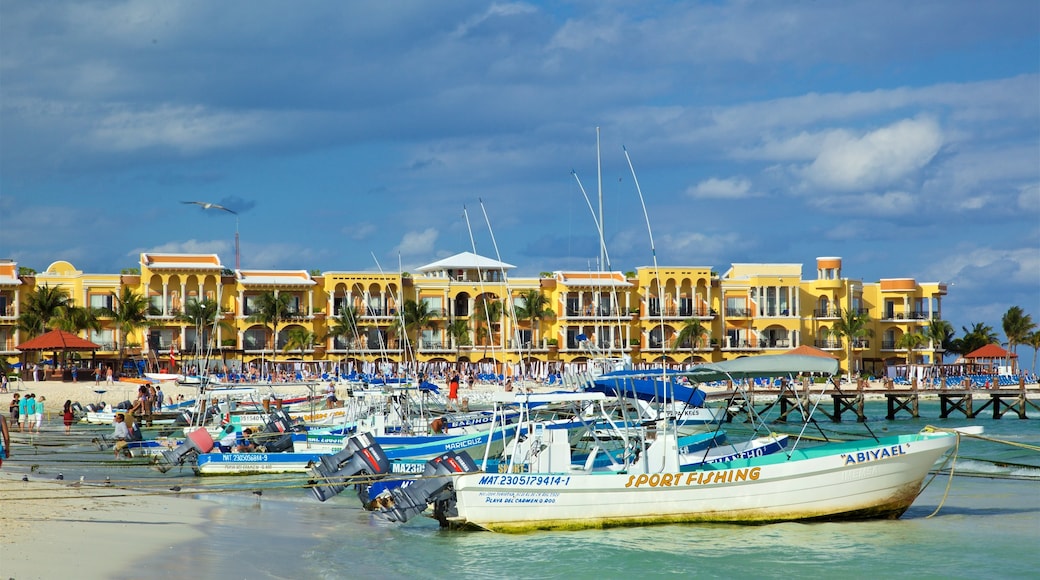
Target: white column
x: 165, y: 298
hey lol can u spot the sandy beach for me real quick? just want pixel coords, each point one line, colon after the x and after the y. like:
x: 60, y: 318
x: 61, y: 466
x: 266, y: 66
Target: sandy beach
x: 57, y: 529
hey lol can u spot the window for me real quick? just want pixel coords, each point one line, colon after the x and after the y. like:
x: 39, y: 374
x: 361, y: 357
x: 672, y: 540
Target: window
x: 104, y: 338
x: 101, y: 301
x: 434, y: 305
x: 254, y: 339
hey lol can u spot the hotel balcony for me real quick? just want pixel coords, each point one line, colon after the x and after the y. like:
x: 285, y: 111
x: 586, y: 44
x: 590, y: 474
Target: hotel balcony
x: 912, y: 316
x: 590, y: 313
x: 436, y: 346
x: 828, y: 344
x: 680, y: 312
x: 739, y: 313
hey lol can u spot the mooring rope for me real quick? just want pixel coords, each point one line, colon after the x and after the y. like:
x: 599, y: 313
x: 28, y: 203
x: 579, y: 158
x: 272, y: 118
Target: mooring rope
x: 952, y: 460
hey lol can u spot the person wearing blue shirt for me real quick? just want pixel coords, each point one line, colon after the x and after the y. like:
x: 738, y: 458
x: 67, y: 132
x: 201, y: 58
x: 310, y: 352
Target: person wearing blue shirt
x: 23, y: 412
x: 30, y: 411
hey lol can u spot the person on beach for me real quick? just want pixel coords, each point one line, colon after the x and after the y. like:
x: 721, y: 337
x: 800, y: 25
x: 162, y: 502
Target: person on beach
x: 97, y: 376
x: 30, y: 411
x: 245, y: 445
x: 330, y: 396
x: 75, y: 373
x: 108, y: 376
x: 15, y: 408
x: 23, y: 413
x: 5, y: 440
x: 120, y: 434
x: 4, y: 383
x: 39, y: 413
x: 453, y: 392
x: 158, y: 399
x: 66, y: 416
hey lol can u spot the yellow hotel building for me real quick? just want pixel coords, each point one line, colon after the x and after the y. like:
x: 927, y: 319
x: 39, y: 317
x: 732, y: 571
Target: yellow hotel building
x: 746, y: 310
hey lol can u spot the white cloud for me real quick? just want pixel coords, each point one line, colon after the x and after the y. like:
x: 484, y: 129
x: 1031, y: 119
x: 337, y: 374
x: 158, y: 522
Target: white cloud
x: 882, y: 157
x: 892, y: 203
x: 359, y: 231
x: 190, y: 247
x: 188, y: 129
x: 413, y: 243
x: 981, y: 268
x: 732, y: 188
x: 1029, y: 198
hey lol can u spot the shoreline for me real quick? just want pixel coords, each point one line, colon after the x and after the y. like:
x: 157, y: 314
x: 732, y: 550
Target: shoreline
x: 56, y: 529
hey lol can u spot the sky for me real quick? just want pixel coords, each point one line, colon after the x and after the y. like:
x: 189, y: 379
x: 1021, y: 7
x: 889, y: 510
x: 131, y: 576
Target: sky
x: 901, y: 136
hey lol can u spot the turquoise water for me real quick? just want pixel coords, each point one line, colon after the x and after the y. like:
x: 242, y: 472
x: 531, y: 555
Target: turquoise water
x: 988, y: 527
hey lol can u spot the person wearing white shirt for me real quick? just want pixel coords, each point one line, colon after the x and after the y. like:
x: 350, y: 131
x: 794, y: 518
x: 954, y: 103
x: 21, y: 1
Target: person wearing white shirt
x: 120, y: 434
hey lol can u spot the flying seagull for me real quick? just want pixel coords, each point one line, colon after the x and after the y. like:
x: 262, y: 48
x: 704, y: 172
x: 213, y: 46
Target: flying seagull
x: 208, y: 205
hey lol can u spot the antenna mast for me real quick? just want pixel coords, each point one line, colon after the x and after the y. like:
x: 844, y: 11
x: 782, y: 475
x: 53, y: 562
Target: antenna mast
x: 599, y: 177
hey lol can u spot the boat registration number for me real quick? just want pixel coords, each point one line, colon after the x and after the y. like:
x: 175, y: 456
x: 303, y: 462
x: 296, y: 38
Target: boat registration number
x: 532, y: 480
x: 243, y: 457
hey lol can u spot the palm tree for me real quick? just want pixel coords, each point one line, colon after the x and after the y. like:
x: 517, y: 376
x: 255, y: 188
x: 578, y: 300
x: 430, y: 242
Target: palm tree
x: 939, y: 333
x: 417, y: 316
x: 1033, y: 340
x: 979, y: 336
x: 204, y: 315
x: 1017, y: 326
x: 910, y: 341
x: 458, y: 329
x: 531, y: 306
x: 693, y: 331
x: 31, y: 324
x: 488, y: 312
x: 271, y: 308
x: 42, y: 305
x: 130, y: 312
x: 75, y: 319
x: 851, y: 325
x: 299, y: 338
x: 344, y: 323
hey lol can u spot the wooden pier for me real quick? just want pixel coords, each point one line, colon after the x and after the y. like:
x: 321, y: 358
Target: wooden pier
x: 850, y: 402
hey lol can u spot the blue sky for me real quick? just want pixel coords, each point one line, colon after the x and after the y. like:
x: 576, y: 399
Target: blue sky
x: 902, y: 136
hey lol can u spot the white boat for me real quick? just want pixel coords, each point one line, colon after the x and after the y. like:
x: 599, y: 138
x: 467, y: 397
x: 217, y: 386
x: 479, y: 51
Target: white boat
x: 540, y: 489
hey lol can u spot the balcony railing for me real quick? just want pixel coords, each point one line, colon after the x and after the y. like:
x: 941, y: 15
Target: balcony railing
x: 828, y: 344
x: 738, y: 312
x: 914, y: 315
x: 590, y: 312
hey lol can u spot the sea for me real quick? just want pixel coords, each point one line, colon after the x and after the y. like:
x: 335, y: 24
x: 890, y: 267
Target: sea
x: 987, y: 526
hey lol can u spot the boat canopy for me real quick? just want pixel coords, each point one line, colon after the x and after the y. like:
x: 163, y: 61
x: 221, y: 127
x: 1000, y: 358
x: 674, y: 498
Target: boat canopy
x: 647, y: 385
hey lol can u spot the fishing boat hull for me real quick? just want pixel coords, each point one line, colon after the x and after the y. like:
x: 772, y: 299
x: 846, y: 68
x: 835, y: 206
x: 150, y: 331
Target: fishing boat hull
x: 300, y: 461
x: 860, y: 480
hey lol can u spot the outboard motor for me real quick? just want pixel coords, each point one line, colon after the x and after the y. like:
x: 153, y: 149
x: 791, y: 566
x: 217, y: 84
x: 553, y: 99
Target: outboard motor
x: 183, y: 419
x: 361, y: 455
x: 435, y: 486
x: 198, y: 442
x: 276, y: 434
